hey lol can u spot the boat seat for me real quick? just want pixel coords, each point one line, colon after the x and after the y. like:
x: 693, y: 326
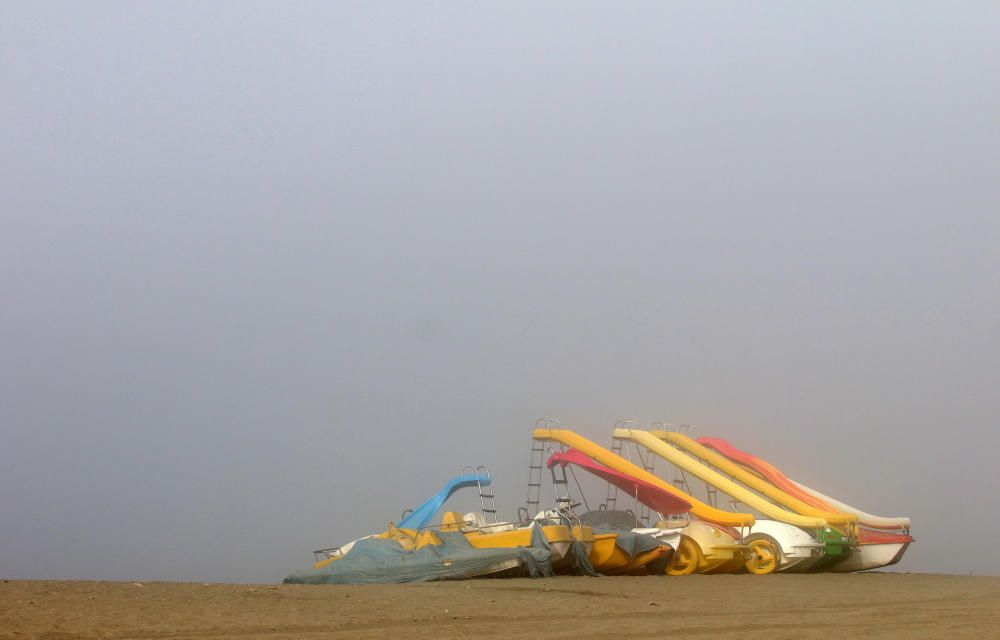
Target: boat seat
x: 476, y: 519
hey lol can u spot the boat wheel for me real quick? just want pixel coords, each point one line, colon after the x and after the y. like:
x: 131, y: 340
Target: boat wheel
x: 686, y: 558
x: 764, y: 556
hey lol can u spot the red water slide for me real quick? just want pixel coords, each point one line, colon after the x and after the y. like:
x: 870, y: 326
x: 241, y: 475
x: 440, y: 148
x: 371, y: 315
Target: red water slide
x: 770, y: 473
x: 648, y: 494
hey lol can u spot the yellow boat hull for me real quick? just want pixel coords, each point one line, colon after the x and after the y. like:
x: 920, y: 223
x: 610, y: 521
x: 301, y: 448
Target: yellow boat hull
x: 605, y: 556
x: 559, y: 537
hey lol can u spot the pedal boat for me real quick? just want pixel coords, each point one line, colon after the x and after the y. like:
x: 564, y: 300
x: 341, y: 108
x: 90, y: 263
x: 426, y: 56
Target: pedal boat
x: 875, y: 542
x: 608, y: 558
x: 698, y: 546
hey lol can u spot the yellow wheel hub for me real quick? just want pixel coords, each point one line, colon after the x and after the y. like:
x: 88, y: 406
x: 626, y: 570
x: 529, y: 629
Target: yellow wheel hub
x: 763, y: 557
x: 686, y: 558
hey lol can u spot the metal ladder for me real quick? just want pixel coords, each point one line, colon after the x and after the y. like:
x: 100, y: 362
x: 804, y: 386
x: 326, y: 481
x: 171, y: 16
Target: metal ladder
x: 679, y: 478
x: 535, y: 477
x: 648, y: 464
x: 611, y: 501
x: 535, y: 465
x: 561, y: 474
x: 486, y: 498
x: 675, y: 474
x: 711, y: 493
x: 560, y: 482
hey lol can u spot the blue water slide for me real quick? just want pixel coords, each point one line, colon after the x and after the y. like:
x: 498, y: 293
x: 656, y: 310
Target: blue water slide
x: 422, y: 515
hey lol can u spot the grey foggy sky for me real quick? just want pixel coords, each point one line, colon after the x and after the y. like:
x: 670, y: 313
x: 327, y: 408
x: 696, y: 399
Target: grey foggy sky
x: 272, y: 272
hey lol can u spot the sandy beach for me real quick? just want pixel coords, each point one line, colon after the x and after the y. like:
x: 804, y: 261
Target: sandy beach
x: 745, y: 607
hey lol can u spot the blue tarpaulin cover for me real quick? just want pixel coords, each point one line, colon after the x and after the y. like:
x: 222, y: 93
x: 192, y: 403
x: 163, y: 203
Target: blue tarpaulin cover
x: 384, y: 560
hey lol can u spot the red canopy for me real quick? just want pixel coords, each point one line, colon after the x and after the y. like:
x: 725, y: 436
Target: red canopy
x: 652, y: 496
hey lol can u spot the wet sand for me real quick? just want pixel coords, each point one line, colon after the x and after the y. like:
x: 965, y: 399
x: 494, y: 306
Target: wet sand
x: 744, y: 607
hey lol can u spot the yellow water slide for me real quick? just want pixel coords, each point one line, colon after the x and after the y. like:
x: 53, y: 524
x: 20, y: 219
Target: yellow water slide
x: 724, y: 465
x: 717, y: 480
x: 699, y: 509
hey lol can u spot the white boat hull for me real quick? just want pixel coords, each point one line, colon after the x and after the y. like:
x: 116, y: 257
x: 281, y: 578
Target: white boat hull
x: 872, y: 556
x: 799, y: 550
